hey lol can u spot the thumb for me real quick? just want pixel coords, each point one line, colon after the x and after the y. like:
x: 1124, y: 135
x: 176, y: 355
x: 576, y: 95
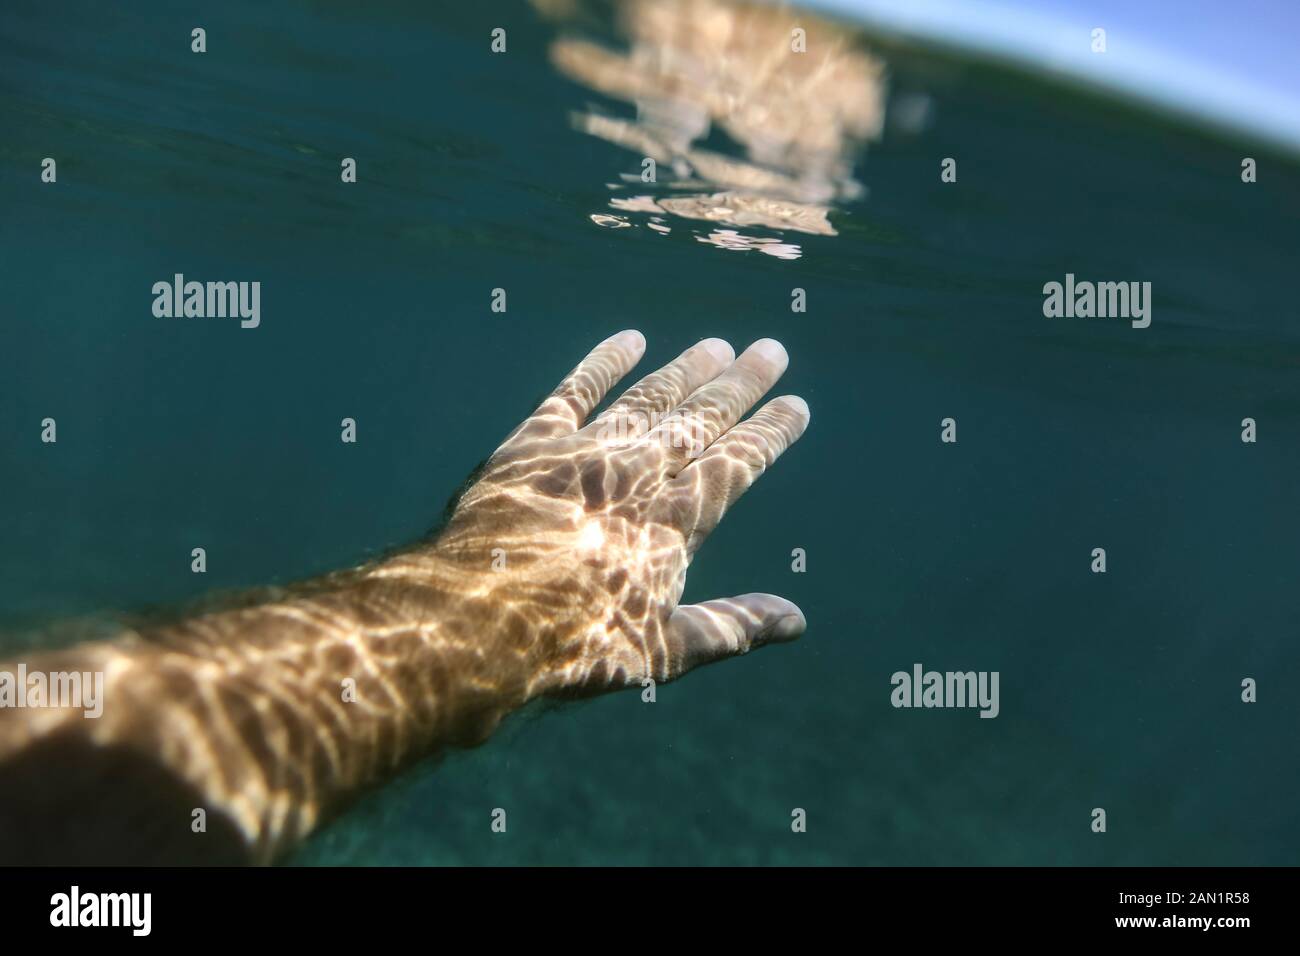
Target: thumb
x: 702, y: 633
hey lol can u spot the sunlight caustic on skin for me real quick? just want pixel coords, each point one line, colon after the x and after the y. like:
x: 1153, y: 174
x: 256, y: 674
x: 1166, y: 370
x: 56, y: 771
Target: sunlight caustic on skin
x: 596, y: 524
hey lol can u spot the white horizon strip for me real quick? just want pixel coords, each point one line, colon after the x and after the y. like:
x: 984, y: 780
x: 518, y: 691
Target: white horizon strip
x: 1131, y: 66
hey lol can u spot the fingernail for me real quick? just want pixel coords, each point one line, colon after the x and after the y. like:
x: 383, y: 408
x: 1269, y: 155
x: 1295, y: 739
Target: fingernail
x: 719, y: 349
x: 773, y: 351
x: 796, y: 405
x: 792, y: 625
x: 631, y: 339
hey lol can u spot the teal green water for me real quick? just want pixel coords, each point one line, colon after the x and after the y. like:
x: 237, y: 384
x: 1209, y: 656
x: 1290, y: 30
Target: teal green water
x: 1118, y: 691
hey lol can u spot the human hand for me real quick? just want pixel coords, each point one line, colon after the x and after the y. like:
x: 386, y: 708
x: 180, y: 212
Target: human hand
x: 590, y: 525
x: 558, y: 573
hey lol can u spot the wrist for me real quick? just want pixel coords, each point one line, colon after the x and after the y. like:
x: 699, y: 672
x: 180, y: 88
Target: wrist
x: 479, y: 646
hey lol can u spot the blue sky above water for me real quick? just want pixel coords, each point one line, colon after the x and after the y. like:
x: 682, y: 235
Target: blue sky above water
x: 1231, y: 65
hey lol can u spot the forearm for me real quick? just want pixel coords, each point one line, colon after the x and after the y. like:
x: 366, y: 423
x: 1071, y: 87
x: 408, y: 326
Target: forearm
x: 273, y: 715
x: 559, y: 573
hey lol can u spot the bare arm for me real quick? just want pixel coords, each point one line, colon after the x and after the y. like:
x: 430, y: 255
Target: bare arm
x: 559, y: 573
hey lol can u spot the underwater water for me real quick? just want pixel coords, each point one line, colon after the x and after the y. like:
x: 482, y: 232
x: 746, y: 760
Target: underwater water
x: 924, y: 301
